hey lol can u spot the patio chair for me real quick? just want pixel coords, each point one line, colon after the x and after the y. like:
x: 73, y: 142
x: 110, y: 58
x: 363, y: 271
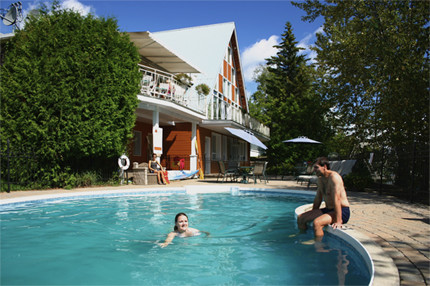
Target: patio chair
x: 225, y: 173
x: 309, y: 177
x: 147, y: 84
x: 259, y: 171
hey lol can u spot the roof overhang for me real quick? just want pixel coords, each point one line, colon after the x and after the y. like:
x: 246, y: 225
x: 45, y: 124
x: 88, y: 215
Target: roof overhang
x: 156, y: 52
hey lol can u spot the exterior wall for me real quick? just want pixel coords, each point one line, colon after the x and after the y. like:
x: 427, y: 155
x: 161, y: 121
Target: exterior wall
x: 176, y: 145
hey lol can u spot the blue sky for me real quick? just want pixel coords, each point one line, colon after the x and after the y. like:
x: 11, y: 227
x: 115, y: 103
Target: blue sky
x: 259, y: 24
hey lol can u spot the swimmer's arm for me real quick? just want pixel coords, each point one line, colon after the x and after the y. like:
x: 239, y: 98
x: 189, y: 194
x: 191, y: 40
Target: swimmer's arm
x: 169, y: 239
x: 205, y: 232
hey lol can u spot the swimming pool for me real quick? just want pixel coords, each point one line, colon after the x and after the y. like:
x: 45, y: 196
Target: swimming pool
x: 114, y: 240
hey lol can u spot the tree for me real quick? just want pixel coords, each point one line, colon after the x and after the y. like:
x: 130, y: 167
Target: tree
x: 285, y: 101
x: 373, y: 61
x: 70, y: 94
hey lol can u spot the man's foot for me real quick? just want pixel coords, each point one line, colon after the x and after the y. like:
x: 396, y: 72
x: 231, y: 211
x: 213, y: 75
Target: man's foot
x: 308, y: 242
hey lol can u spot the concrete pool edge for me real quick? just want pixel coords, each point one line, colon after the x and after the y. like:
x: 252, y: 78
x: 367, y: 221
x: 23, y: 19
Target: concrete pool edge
x: 385, y: 270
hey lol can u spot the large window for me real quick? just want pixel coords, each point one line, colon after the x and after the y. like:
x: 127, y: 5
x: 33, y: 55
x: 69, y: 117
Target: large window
x: 216, y: 146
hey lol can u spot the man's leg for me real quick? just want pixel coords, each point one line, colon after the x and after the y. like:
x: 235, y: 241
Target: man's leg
x: 307, y: 217
x: 320, y: 222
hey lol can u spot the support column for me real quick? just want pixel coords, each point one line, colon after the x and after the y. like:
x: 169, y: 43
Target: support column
x: 155, y: 124
x: 156, y: 117
x: 193, y: 156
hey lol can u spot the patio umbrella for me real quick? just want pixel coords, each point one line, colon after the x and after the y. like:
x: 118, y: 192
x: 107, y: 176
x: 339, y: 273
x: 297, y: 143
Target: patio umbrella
x: 302, y: 139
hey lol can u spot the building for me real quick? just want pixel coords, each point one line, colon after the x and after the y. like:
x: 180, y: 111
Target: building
x: 178, y: 122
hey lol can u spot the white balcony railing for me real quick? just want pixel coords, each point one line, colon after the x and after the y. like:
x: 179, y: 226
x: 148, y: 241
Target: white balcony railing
x: 163, y: 85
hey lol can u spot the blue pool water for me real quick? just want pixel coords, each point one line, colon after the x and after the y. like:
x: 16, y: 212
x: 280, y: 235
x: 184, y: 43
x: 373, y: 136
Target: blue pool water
x: 114, y: 240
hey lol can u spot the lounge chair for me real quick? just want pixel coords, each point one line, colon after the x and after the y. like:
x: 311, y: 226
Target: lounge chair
x: 307, y: 176
x: 343, y: 167
x: 225, y: 173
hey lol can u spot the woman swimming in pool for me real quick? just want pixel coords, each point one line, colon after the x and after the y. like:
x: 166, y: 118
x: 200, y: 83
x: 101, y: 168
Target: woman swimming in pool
x: 181, y: 229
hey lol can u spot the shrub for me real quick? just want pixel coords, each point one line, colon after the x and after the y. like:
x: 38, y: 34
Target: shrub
x: 70, y: 94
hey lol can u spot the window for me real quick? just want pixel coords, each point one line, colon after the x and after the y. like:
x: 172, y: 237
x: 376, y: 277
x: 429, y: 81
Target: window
x: 229, y: 55
x: 224, y: 148
x: 237, y: 95
x: 233, y: 77
x: 243, y: 151
x: 137, y: 143
x: 216, y: 146
x: 224, y: 87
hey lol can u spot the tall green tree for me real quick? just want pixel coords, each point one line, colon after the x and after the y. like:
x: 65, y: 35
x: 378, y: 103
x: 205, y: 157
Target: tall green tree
x: 69, y: 86
x: 285, y: 101
x: 373, y: 61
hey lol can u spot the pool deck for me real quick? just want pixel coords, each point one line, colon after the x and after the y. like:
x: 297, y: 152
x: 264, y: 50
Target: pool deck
x: 399, y: 230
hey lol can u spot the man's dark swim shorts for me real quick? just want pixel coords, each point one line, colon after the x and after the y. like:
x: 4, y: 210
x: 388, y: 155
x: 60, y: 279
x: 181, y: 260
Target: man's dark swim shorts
x: 345, y: 213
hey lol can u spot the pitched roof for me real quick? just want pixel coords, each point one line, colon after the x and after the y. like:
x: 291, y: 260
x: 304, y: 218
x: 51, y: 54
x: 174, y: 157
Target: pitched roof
x: 203, y: 46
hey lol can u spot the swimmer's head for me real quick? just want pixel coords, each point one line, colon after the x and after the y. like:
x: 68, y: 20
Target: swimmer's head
x: 181, y: 222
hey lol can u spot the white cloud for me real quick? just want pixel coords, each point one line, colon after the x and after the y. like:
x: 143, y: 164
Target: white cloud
x: 307, y: 42
x: 256, y: 54
x: 76, y: 6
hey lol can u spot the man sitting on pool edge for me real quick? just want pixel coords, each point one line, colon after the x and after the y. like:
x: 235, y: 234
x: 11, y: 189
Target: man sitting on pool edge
x: 332, y: 191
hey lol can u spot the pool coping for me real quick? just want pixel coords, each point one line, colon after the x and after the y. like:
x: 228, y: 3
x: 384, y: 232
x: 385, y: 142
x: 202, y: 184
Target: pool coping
x: 381, y: 265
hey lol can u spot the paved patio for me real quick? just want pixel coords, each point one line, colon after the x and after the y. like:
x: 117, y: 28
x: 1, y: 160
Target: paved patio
x: 401, y: 229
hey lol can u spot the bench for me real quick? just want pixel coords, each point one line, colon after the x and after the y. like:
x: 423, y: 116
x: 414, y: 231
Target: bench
x: 141, y: 175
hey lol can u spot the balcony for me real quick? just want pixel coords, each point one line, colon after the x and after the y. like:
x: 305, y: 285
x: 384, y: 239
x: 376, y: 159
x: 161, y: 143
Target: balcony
x: 219, y: 109
x: 163, y: 85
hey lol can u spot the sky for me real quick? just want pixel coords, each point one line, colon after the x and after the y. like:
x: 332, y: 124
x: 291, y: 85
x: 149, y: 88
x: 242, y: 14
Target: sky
x: 259, y: 24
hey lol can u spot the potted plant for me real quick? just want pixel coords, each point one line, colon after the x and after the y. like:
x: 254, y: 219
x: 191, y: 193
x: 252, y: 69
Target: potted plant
x: 184, y: 79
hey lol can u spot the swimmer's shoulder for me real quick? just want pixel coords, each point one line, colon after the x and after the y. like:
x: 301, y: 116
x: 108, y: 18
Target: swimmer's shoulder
x: 193, y: 231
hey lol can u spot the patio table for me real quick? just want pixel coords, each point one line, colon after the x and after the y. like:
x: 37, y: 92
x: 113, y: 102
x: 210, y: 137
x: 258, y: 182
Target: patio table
x: 245, y: 172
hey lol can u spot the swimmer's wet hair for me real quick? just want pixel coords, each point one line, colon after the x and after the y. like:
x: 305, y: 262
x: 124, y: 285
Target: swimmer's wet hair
x: 176, y: 219
x: 322, y: 161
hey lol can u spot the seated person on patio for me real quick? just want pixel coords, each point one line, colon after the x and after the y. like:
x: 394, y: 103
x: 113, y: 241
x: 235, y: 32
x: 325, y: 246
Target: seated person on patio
x: 332, y: 191
x: 155, y: 167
